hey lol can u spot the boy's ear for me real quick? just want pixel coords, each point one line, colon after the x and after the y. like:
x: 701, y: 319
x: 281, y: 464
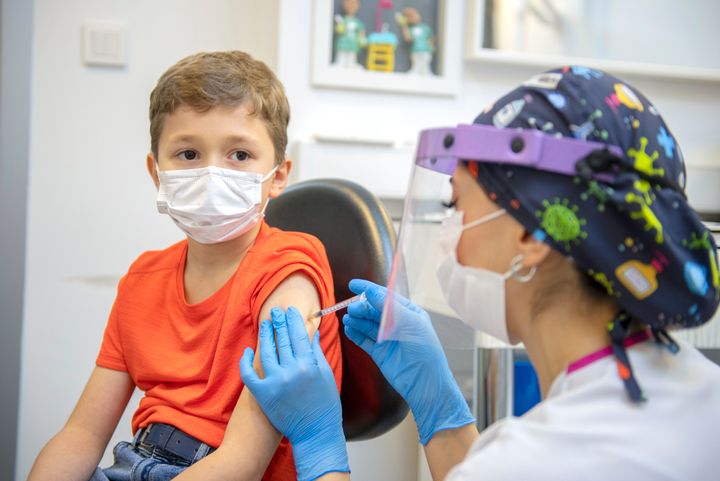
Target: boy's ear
x: 150, y: 164
x: 280, y: 179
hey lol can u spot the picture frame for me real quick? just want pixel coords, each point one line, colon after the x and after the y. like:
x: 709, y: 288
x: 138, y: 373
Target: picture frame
x: 478, y: 24
x: 447, y: 63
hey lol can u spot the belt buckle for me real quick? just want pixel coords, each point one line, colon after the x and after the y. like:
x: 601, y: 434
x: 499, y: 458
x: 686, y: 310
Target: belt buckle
x: 144, y: 434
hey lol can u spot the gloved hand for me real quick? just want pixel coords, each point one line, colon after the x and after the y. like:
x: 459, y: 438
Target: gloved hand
x: 415, y: 366
x: 298, y: 394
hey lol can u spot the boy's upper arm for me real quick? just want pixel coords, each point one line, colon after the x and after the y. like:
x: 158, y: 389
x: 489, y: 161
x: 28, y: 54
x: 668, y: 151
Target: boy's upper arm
x: 299, y: 291
x: 247, y: 420
x: 102, y: 403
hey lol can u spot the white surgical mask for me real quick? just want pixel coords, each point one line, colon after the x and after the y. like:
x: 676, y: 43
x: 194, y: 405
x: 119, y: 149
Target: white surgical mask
x: 476, y: 295
x: 212, y: 204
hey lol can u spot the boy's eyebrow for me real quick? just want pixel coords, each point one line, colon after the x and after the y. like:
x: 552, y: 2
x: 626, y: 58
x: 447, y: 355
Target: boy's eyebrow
x: 229, y: 139
x: 241, y: 139
x: 182, y: 138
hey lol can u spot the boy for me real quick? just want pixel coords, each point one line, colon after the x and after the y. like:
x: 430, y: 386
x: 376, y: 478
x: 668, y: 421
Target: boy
x: 183, y: 316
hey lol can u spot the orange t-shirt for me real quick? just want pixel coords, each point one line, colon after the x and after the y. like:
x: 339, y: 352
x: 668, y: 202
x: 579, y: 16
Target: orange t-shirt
x: 185, y: 356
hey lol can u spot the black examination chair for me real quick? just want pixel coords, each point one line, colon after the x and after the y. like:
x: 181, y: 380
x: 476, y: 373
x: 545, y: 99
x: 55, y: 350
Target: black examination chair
x: 359, y: 239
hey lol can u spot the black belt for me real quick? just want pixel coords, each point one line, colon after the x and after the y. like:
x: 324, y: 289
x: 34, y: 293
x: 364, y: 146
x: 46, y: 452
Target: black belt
x: 169, y: 439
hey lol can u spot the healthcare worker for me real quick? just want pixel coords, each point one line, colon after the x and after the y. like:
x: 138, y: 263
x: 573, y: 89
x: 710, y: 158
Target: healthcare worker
x: 568, y: 230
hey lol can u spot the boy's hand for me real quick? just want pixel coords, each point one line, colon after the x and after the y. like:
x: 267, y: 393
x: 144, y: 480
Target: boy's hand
x: 298, y: 394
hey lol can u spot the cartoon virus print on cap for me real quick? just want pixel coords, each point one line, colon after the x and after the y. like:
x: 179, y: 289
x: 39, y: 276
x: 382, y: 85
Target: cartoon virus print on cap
x: 645, y: 214
x: 645, y: 189
x: 587, y: 128
x: 560, y: 221
x: 603, y: 280
x: 643, y: 162
x: 598, y: 191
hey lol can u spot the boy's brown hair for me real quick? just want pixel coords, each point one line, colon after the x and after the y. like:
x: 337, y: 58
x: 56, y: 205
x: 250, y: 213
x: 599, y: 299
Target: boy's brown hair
x: 208, y: 79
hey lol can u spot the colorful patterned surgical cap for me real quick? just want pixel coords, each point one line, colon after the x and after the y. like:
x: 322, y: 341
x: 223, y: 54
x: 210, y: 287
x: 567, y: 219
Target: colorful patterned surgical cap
x: 633, y: 232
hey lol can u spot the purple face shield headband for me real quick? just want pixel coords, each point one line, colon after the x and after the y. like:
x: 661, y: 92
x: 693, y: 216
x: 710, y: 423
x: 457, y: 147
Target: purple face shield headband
x: 440, y: 149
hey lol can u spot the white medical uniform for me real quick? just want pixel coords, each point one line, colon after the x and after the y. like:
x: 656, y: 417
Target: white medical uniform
x: 587, y: 429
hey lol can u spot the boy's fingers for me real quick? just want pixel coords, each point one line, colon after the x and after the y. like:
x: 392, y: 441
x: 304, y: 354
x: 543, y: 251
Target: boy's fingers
x: 268, y: 353
x: 247, y: 371
x: 284, y: 348
x: 298, y: 333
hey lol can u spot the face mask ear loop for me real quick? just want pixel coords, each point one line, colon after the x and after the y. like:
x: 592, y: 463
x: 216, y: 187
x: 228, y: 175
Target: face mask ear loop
x: 274, y: 169
x: 515, y: 268
x: 262, y: 212
x: 484, y: 219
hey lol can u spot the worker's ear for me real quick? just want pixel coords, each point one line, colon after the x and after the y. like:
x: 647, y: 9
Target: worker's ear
x: 152, y: 170
x: 533, y: 251
x: 280, y: 178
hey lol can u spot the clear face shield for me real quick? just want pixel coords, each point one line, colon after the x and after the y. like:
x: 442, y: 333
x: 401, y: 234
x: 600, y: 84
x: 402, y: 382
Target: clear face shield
x: 420, y: 251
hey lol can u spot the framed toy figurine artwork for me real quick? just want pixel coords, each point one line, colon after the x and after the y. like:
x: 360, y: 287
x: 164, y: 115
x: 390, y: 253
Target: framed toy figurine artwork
x: 409, y: 46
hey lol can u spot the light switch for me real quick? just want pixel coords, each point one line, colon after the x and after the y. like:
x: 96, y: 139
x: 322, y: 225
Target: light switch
x: 104, y: 44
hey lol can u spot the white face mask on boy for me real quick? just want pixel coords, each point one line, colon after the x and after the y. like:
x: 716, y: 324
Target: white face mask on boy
x: 212, y: 204
x: 476, y: 295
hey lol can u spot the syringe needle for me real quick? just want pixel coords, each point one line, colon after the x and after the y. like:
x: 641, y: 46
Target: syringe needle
x: 338, y: 306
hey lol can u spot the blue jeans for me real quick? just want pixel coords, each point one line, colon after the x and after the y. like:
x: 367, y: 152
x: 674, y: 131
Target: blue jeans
x: 137, y: 464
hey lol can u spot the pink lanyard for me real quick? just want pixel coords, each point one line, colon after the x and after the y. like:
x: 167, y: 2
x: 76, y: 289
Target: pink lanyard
x: 606, y: 351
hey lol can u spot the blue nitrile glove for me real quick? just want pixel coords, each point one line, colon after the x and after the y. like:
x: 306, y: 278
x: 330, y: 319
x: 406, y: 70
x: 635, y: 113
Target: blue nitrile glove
x: 298, y: 394
x: 416, y: 366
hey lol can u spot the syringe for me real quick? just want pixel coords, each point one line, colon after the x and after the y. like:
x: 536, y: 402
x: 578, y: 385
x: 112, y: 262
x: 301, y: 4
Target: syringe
x: 338, y: 306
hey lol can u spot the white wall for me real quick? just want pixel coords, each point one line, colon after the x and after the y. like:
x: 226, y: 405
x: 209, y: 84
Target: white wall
x: 91, y: 205
x: 612, y: 29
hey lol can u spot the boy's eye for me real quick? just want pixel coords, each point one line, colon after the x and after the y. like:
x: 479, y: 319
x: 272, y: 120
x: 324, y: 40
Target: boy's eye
x: 188, y: 155
x: 240, y: 155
